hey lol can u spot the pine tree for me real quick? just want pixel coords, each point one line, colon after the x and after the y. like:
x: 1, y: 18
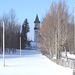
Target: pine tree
x: 25, y: 30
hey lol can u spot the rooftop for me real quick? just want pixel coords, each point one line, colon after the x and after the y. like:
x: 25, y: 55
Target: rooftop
x: 36, y: 19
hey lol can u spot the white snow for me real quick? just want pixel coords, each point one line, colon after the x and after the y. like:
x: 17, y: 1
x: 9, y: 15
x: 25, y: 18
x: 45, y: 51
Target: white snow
x: 31, y: 62
x: 70, y: 56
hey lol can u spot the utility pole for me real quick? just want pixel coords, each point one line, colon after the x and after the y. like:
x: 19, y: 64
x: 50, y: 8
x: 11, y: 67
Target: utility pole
x: 74, y: 27
x: 74, y: 40
x: 20, y: 43
x: 3, y: 44
x: 20, y: 46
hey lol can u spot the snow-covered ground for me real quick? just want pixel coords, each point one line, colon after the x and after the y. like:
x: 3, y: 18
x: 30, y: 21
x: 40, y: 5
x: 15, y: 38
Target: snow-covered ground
x: 31, y: 62
x: 69, y: 56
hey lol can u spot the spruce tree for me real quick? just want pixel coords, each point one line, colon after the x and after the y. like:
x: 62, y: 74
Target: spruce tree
x: 25, y: 30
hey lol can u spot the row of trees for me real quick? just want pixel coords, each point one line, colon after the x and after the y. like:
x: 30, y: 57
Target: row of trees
x: 13, y: 31
x: 57, y: 31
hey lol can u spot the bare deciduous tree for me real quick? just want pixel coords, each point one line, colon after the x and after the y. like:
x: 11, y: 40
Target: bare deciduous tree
x: 57, y: 30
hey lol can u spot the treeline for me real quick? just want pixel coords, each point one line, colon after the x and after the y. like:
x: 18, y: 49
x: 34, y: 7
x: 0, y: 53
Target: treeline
x: 57, y: 31
x: 12, y: 31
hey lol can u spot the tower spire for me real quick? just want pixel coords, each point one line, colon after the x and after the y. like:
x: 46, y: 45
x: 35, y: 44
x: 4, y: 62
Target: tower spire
x: 36, y: 30
x: 37, y: 19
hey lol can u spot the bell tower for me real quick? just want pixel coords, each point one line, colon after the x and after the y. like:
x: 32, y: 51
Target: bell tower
x: 36, y: 29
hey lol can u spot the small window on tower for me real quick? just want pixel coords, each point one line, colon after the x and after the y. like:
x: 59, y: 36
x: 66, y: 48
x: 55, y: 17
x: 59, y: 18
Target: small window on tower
x: 36, y: 32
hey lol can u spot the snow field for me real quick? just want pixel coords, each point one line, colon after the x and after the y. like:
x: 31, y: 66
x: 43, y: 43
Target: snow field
x: 31, y: 63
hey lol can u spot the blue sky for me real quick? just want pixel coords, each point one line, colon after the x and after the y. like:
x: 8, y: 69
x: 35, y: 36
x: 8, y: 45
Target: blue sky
x: 28, y: 9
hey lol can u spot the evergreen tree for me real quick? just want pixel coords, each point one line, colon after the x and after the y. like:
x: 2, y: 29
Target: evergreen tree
x: 25, y: 30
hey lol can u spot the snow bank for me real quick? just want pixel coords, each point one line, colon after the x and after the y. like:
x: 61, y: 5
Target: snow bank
x: 70, y: 56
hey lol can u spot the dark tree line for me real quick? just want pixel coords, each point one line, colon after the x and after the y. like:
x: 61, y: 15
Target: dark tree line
x: 12, y: 31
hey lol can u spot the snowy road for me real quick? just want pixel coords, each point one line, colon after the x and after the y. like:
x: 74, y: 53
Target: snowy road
x: 31, y: 63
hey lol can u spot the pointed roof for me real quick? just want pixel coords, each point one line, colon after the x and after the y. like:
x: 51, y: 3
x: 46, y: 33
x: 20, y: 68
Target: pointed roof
x: 36, y: 19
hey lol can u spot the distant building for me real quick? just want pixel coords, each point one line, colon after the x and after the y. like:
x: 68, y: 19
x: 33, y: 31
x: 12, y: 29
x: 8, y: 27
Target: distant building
x: 36, y: 30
